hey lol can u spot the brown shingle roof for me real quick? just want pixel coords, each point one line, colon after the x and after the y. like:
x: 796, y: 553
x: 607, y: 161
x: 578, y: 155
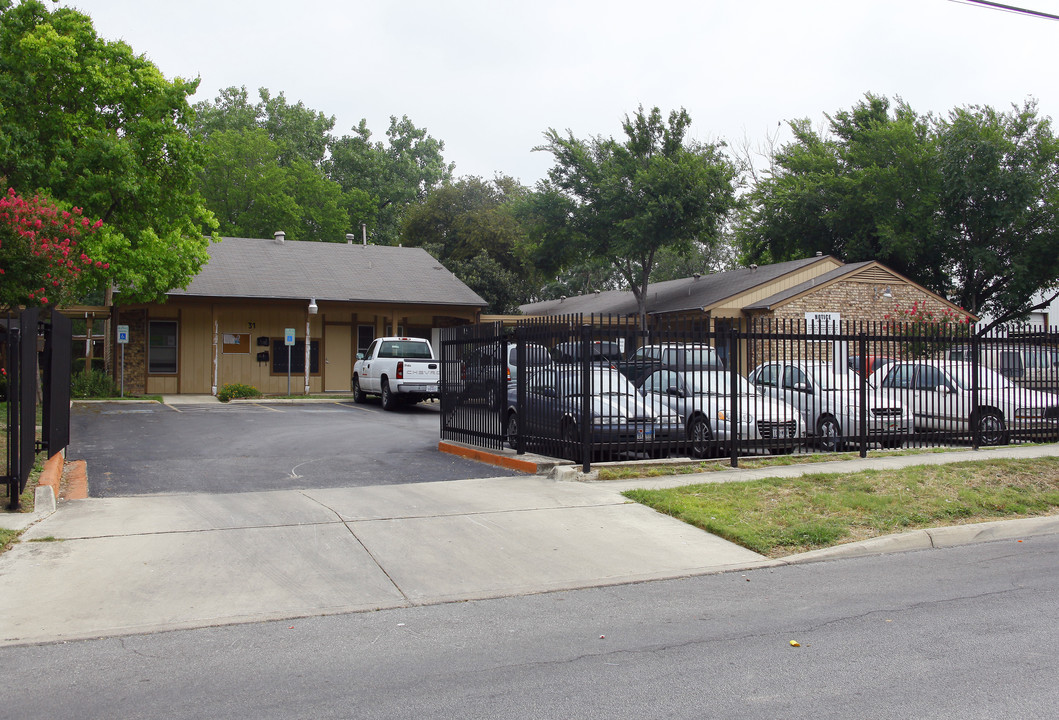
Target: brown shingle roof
x: 264, y: 268
x: 672, y: 295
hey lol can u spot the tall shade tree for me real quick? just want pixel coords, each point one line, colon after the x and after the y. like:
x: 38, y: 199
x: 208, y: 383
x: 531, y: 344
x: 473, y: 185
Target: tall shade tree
x: 866, y: 188
x: 470, y: 226
x: 999, y: 199
x: 382, y: 180
x: 626, y: 201
x: 963, y: 204
x: 263, y: 168
x: 96, y: 126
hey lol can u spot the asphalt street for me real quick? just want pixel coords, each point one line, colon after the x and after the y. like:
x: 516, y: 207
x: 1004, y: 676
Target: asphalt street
x: 145, y: 448
x: 967, y: 632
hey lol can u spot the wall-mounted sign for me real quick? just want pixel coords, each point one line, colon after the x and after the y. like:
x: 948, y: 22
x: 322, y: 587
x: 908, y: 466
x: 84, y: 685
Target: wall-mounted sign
x: 823, y: 323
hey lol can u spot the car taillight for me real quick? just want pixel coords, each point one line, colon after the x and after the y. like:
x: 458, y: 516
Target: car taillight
x: 400, y: 370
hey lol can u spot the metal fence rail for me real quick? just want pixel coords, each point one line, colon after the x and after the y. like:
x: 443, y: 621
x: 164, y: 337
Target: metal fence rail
x: 599, y: 388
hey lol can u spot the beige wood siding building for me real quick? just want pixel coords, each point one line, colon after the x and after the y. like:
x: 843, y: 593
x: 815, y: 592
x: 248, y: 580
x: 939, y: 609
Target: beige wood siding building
x: 230, y: 324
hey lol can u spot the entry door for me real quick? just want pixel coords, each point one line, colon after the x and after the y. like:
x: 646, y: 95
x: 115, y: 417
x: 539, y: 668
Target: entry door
x: 338, y: 358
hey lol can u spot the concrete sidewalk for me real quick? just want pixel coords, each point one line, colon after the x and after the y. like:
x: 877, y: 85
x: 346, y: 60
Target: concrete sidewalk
x: 114, y: 566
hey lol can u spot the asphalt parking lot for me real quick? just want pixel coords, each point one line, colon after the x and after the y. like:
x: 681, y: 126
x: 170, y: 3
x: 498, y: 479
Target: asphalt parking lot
x: 147, y: 448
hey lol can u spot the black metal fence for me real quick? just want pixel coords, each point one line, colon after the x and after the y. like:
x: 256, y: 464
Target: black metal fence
x: 33, y: 343
x: 599, y: 388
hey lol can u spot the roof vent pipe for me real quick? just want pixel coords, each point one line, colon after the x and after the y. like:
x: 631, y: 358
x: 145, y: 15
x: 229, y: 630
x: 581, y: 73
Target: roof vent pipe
x: 350, y: 237
x: 819, y: 254
x: 697, y: 276
x: 280, y: 235
x: 753, y: 267
x: 364, y: 232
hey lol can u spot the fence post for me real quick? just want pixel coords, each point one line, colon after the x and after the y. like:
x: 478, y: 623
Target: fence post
x: 586, y: 396
x: 520, y: 388
x: 862, y: 351
x: 975, y: 392
x: 733, y: 422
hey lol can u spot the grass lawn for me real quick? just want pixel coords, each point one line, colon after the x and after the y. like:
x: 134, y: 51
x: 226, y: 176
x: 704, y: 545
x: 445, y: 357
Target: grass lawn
x: 778, y: 517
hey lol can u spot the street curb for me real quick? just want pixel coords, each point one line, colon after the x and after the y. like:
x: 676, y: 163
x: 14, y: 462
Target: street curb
x: 934, y: 538
x: 490, y: 458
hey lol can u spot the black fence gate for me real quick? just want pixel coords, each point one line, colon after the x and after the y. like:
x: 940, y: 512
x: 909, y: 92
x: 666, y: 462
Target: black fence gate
x: 599, y: 388
x: 35, y: 344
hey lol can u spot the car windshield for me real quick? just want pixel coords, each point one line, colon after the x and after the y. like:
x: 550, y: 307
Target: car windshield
x: 1038, y: 358
x: 536, y: 356
x: 988, y: 379
x: 828, y: 379
x: 716, y: 383
x: 603, y: 383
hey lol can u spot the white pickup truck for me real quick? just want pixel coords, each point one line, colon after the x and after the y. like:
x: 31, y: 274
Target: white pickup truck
x: 400, y: 370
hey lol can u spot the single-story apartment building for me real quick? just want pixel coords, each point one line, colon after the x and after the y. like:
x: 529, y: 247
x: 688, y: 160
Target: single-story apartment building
x: 810, y: 290
x: 249, y: 313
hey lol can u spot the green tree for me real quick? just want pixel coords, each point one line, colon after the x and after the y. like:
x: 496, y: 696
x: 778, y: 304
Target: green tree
x: 998, y: 201
x: 382, y: 180
x: 94, y: 125
x: 470, y: 227
x: 298, y: 132
x: 264, y: 168
x: 964, y: 205
x: 626, y: 201
x: 866, y: 189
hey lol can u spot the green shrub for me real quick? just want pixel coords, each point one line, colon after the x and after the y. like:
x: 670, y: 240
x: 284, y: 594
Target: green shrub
x: 92, y: 384
x: 237, y: 390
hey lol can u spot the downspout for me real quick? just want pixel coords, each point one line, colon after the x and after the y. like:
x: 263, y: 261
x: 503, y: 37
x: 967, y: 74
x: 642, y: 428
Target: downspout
x: 213, y: 390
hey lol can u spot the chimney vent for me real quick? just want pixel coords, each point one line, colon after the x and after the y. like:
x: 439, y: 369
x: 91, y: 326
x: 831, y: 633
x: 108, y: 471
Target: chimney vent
x: 350, y: 237
x: 819, y: 254
x: 280, y: 235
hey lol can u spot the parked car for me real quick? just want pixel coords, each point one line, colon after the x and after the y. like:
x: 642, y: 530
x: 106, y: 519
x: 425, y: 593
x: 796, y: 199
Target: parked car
x: 940, y: 394
x: 869, y: 363
x: 488, y: 377
x: 830, y: 401
x: 400, y: 370
x: 673, y: 356
x: 601, y: 352
x: 1033, y: 366
x: 621, y: 418
x: 703, y: 398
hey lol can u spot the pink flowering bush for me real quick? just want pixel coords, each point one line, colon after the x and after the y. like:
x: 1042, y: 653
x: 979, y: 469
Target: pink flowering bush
x: 40, y: 262
x: 928, y: 332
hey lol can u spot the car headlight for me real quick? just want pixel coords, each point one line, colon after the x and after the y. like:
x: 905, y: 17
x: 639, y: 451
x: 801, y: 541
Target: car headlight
x: 727, y: 416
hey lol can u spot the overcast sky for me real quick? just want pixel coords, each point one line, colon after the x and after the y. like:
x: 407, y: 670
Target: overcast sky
x: 489, y: 77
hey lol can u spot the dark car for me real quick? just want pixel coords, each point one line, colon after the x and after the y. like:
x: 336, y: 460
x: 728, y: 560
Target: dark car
x: 487, y: 376
x: 601, y: 352
x: 869, y: 363
x: 621, y: 419
x: 672, y: 356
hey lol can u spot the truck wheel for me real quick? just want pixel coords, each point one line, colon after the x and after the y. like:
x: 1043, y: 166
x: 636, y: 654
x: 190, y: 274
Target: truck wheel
x: 389, y: 400
x: 358, y: 394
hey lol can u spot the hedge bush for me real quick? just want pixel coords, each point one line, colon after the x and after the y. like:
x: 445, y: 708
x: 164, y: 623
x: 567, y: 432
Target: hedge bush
x: 237, y: 390
x: 92, y: 384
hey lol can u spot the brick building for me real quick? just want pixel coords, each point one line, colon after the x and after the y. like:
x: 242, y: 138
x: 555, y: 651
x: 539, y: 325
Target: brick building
x: 796, y: 294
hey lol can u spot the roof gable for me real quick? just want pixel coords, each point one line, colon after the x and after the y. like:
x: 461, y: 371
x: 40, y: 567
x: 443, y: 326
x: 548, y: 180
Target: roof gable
x: 266, y: 268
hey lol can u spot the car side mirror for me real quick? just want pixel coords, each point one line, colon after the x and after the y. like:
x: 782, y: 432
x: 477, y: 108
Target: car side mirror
x: 360, y: 356
x: 674, y: 391
x: 801, y: 387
